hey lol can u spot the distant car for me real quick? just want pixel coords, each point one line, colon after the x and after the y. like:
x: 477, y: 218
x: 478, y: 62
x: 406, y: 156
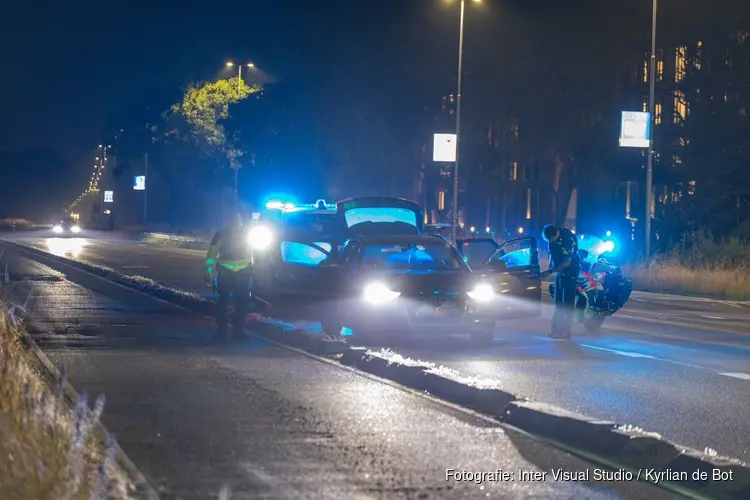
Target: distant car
x: 66, y: 228
x: 390, y: 277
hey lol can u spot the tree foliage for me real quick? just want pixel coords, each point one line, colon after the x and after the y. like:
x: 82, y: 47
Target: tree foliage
x: 203, y: 108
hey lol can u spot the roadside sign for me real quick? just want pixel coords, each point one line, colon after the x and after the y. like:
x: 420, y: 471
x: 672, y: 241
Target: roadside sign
x: 139, y: 183
x: 109, y: 196
x: 635, y: 129
x: 444, y: 148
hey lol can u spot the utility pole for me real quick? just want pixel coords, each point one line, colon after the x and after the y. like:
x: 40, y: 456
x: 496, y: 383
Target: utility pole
x: 650, y: 159
x: 454, y: 221
x: 145, y: 191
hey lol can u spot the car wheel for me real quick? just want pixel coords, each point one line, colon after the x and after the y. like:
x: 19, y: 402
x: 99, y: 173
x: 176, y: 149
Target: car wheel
x: 484, y: 336
x: 594, y: 323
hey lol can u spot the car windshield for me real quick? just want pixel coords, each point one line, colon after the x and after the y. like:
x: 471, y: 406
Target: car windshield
x: 412, y: 256
x: 319, y: 227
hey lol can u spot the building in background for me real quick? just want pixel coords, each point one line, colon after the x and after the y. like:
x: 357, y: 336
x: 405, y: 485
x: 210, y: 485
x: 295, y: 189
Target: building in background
x: 700, y: 133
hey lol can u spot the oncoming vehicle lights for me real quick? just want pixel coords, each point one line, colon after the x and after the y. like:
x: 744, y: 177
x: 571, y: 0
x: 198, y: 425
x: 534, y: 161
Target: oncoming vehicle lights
x: 260, y: 237
x: 482, y: 293
x: 57, y: 229
x: 377, y: 293
x: 75, y: 229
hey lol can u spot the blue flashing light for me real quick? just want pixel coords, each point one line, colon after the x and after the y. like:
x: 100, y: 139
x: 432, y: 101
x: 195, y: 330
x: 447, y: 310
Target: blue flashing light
x: 288, y: 206
x: 609, y: 246
x: 274, y: 205
x: 609, y: 233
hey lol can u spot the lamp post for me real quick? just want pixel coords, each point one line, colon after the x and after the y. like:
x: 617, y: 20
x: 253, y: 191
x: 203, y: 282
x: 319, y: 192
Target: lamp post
x: 239, y: 72
x: 454, y: 219
x: 650, y: 159
x: 235, y: 165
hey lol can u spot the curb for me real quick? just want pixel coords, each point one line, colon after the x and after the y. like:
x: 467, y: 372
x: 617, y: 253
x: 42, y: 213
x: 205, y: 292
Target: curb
x: 142, y: 487
x: 690, y: 472
x: 648, y: 456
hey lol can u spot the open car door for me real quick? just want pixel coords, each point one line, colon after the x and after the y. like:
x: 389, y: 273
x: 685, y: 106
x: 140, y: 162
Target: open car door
x: 379, y: 215
x: 513, y: 269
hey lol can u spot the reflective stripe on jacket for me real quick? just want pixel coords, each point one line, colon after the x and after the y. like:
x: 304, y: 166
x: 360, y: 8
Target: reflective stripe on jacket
x: 229, y: 249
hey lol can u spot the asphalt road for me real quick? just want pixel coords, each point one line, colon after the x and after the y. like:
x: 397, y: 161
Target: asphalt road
x: 679, y: 366
x: 264, y: 421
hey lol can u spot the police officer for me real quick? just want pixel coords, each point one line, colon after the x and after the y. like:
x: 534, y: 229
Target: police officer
x: 229, y: 259
x: 565, y: 264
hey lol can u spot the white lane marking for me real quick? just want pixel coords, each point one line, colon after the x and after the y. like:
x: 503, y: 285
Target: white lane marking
x: 743, y: 376
x: 133, y: 267
x: 712, y: 317
x: 643, y: 356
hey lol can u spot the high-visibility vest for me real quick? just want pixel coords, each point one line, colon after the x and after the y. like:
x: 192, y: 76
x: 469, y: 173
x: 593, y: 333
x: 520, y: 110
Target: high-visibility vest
x: 229, y: 249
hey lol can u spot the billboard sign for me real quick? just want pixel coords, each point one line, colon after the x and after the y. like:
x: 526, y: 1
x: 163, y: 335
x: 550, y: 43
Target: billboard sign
x: 139, y: 183
x: 109, y: 196
x: 444, y: 148
x: 635, y: 129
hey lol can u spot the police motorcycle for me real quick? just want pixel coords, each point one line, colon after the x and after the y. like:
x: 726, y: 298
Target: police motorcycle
x: 601, y: 290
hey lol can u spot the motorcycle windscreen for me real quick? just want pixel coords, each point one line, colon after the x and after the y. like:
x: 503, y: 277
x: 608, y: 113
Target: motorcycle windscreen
x: 594, y: 245
x: 380, y: 215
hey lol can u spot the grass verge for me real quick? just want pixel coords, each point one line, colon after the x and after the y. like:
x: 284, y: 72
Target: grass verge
x: 47, y: 451
x: 671, y: 276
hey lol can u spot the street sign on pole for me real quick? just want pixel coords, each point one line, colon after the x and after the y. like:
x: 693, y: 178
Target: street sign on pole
x: 635, y: 129
x: 444, y: 148
x: 139, y: 183
x: 109, y: 197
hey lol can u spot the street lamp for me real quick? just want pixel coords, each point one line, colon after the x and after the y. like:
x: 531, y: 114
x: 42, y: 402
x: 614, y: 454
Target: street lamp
x: 650, y: 159
x: 236, y: 166
x: 454, y: 221
x: 239, y: 72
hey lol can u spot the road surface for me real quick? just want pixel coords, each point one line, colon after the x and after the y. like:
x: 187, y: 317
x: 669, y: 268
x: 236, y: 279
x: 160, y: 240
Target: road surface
x: 267, y: 422
x: 679, y: 366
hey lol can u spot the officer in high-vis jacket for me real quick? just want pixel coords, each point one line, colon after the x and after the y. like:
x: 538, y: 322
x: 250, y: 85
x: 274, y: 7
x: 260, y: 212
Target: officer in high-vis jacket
x: 229, y: 260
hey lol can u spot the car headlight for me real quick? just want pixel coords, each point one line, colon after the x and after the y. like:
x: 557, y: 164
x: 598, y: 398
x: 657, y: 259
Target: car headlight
x: 482, y: 293
x: 260, y: 237
x: 378, y: 293
x: 75, y: 229
x: 57, y: 229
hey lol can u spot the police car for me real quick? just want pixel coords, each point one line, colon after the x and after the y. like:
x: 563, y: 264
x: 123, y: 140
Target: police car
x: 289, y: 242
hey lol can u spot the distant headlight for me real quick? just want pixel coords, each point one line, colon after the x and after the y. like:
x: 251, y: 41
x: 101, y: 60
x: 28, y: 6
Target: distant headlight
x: 482, y: 293
x: 260, y: 237
x: 58, y: 229
x: 75, y: 229
x: 378, y: 293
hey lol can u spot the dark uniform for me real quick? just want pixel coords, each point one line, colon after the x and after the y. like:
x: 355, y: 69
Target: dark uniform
x: 566, y: 246
x: 230, y: 251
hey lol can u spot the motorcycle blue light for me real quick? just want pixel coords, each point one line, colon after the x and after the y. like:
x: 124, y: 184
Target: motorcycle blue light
x: 609, y: 246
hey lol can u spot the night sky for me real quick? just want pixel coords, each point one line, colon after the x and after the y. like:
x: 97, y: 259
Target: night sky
x: 66, y: 67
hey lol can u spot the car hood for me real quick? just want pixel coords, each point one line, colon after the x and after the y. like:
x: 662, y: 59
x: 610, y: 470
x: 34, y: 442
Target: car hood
x: 415, y: 282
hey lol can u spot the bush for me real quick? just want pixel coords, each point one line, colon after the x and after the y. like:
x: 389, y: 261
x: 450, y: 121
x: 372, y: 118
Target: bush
x: 48, y: 452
